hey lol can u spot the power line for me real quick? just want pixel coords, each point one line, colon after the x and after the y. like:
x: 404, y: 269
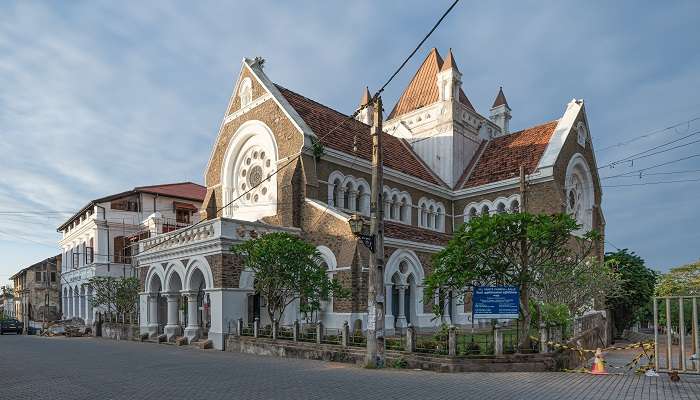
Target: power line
x: 652, y: 183
x: 652, y: 133
x: 637, y: 156
x: 351, y: 117
x: 653, y: 166
x: 630, y: 174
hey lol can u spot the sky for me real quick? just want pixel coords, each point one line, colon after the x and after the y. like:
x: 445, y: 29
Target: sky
x: 99, y: 97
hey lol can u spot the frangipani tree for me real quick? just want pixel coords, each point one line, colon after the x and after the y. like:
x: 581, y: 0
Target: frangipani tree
x: 287, y: 268
x: 533, y: 252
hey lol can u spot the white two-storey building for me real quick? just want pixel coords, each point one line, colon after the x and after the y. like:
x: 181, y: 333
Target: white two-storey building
x: 99, y: 239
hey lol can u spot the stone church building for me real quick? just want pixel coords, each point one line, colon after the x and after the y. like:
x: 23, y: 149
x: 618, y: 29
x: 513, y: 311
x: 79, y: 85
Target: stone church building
x: 444, y: 163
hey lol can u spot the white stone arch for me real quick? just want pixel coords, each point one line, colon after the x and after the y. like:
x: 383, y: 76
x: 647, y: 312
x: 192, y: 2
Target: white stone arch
x: 198, y: 264
x: 579, y: 192
x: 245, y: 92
x: 175, y: 268
x: 328, y: 257
x: 406, y: 208
x: 363, y: 195
x: 335, y: 194
x: 394, y: 262
x: 154, y: 272
x: 253, y: 148
x: 349, y: 188
x: 439, y: 217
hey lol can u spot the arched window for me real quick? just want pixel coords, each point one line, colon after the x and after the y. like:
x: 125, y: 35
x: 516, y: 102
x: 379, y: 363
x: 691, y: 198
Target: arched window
x: 579, y: 193
x: 485, y: 210
x: 501, y: 208
x: 423, y: 215
x: 438, y: 219
x: 431, y: 217
x: 348, y: 196
x: 472, y: 212
x: 405, y: 210
x: 387, y: 204
x: 358, y: 199
x: 394, y: 207
x: 582, y: 134
x: 515, y: 206
x: 336, y: 192
x: 246, y: 92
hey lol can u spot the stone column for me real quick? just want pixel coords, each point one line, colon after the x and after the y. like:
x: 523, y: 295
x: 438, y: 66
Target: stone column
x: 452, y: 341
x: 401, y: 318
x: 192, y: 329
x: 88, y: 308
x: 172, y: 328
x: 152, y: 314
x: 76, y: 303
x: 497, y: 340
x: 446, y: 310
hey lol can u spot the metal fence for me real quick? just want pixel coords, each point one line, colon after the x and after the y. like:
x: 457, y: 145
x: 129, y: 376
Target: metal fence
x: 676, y: 338
x: 472, y: 344
x: 432, y: 344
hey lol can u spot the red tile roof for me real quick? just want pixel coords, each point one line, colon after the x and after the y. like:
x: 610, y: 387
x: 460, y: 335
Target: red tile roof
x: 502, y: 157
x: 398, y: 154
x: 397, y: 230
x: 423, y: 90
x: 183, y: 190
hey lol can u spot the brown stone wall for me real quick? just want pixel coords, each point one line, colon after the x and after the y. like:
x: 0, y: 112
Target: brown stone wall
x: 324, y: 168
x: 226, y: 269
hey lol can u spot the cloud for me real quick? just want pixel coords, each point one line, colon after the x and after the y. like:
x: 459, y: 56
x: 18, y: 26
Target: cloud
x: 100, y: 97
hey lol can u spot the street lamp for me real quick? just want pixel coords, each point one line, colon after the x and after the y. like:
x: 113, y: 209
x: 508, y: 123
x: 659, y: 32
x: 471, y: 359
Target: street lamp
x: 359, y: 227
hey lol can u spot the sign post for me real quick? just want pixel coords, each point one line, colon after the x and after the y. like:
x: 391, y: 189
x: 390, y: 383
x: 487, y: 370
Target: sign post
x: 496, y: 302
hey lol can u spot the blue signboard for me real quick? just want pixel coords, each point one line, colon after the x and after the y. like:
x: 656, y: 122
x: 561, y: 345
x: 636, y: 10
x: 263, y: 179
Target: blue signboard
x: 500, y: 302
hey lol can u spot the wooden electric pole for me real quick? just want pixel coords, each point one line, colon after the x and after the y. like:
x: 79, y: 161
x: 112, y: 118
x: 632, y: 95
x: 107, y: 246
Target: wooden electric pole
x: 375, y: 287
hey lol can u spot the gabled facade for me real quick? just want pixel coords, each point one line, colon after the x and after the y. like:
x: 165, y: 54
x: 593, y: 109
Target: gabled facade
x: 444, y: 162
x: 100, y: 239
x: 37, y: 291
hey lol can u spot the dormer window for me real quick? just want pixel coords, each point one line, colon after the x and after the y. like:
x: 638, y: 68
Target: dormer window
x: 246, y: 92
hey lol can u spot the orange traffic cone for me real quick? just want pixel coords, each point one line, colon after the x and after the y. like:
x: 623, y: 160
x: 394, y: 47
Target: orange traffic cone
x: 598, y: 363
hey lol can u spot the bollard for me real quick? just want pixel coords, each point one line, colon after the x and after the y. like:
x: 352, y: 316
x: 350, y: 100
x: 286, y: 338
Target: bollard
x: 256, y: 326
x: 544, y: 338
x: 239, y: 326
x: 295, y: 330
x: 452, y: 341
x: 497, y: 340
x: 345, y: 334
x: 274, y: 329
x: 319, y: 332
x: 410, y: 339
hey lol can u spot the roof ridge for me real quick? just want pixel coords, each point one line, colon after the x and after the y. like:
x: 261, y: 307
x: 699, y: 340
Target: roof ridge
x: 169, y: 184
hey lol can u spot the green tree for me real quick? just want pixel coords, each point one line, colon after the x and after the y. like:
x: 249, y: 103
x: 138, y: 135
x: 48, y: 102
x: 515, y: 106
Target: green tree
x: 679, y: 281
x: 286, y: 268
x: 636, y: 290
x: 115, y: 294
x: 510, y: 249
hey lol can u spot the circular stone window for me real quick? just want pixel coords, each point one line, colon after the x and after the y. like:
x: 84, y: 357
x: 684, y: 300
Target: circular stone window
x: 253, y: 174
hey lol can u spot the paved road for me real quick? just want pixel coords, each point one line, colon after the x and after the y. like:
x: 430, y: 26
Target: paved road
x: 85, y: 368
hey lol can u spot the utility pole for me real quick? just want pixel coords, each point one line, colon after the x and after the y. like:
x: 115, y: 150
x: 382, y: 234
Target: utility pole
x: 375, y: 287
x: 523, y: 190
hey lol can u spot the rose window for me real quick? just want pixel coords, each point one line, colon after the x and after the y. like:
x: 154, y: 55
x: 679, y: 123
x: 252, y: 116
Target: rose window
x: 574, y: 199
x: 254, y: 175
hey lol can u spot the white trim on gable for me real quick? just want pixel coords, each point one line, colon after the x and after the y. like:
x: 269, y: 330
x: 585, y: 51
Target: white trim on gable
x: 561, y: 132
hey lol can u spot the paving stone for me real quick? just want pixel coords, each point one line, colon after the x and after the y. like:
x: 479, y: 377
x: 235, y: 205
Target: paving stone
x: 89, y: 368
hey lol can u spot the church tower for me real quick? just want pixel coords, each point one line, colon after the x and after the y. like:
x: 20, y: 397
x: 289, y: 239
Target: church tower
x: 435, y: 116
x: 500, y: 112
x: 366, y: 114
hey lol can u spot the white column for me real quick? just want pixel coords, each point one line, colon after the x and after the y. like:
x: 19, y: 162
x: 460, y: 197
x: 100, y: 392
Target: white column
x: 172, y: 328
x: 192, y: 330
x: 88, y: 307
x: 401, y: 318
x: 153, y: 313
x: 446, y: 310
x: 75, y: 305
x: 81, y: 305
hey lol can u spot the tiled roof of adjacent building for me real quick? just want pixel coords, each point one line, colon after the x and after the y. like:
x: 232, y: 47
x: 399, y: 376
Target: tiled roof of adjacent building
x: 397, y: 230
x: 398, y: 154
x: 423, y: 90
x: 502, y: 157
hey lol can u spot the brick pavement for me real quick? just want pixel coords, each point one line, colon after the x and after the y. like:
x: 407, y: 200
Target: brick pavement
x: 85, y: 368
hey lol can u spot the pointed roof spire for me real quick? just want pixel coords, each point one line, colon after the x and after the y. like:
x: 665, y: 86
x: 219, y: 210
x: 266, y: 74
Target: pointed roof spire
x: 500, y: 99
x: 449, y: 62
x: 366, y: 96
